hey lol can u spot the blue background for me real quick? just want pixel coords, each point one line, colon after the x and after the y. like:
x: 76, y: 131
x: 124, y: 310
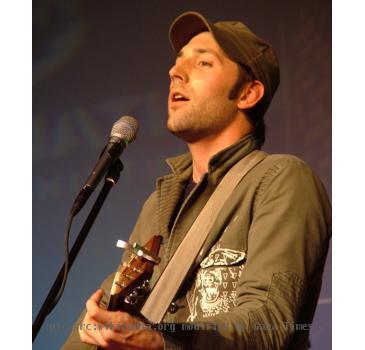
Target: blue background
x: 95, y: 61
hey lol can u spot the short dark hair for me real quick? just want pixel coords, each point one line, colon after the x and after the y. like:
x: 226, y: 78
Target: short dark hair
x: 254, y: 114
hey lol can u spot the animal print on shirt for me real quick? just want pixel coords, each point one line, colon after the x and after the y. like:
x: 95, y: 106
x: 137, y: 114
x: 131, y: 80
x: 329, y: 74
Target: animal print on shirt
x: 214, y: 289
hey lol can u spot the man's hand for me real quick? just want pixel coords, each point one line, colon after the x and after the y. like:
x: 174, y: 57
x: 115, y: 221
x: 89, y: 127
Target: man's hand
x: 115, y: 330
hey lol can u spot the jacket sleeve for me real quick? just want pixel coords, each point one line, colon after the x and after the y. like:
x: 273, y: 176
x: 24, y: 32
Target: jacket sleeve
x: 287, y: 246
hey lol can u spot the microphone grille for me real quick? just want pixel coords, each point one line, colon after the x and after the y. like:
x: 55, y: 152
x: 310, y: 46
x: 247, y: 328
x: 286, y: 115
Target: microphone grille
x: 126, y: 128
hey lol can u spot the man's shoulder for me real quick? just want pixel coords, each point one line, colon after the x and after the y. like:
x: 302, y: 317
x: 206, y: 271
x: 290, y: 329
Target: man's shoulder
x: 277, y: 169
x: 285, y: 160
x: 286, y: 163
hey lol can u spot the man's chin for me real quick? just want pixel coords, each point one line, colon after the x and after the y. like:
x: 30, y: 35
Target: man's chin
x: 187, y: 135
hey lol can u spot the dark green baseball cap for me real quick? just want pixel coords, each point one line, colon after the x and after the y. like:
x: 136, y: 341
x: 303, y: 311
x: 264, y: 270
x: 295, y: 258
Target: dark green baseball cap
x: 239, y: 43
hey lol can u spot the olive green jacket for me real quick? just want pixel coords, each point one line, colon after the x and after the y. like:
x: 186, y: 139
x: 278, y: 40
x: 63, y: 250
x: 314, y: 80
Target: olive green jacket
x: 256, y: 282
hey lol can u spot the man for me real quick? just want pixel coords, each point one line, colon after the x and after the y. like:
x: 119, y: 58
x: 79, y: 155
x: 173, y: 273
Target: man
x: 257, y: 284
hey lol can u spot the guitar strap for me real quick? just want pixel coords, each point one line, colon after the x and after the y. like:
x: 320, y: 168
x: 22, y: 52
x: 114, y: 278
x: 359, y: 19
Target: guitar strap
x: 177, y: 269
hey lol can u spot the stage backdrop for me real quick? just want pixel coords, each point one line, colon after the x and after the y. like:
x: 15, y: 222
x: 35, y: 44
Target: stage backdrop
x: 95, y: 61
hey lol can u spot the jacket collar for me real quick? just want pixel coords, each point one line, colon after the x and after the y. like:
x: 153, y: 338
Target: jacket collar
x: 170, y: 187
x: 219, y: 164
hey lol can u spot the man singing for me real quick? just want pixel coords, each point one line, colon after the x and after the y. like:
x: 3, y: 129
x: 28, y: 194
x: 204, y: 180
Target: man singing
x: 259, y: 278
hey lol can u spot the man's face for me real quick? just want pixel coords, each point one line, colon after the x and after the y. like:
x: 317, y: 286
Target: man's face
x: 201, y: 79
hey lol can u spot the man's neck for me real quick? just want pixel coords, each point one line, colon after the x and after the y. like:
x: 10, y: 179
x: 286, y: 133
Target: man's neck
x: 203, y: 150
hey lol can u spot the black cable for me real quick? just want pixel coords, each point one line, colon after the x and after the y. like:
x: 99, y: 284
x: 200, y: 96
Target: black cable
x: 66, y: 265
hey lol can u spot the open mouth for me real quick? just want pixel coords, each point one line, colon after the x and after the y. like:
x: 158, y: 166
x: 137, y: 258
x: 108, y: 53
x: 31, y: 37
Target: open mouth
x: 178, y: 97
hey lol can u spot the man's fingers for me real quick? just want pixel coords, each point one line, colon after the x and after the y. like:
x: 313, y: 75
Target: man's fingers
x: 85, y: 337
x: 102, y: 316
x: 92, y: 305
x: 106, y: 328
x: 86, y: 330
x: 96, y: 296
x: 121, y: 331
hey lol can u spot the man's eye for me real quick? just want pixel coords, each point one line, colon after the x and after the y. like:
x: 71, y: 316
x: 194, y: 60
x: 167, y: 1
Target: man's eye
x: 204, y: 64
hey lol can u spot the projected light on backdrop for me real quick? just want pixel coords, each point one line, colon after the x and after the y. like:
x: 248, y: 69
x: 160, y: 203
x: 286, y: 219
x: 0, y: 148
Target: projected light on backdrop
x: 61, y: 30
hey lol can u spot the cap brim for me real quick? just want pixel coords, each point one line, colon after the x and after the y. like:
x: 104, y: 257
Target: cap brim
x: 184, y: 27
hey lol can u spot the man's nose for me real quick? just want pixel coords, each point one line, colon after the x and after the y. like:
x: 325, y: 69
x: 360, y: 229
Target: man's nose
x: 178, y: 73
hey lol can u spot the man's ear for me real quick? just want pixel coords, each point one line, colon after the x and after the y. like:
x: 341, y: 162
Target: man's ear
x: 251, y: 94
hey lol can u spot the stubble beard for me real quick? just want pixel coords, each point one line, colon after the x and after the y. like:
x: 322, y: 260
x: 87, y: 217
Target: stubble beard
x: 193, y: 123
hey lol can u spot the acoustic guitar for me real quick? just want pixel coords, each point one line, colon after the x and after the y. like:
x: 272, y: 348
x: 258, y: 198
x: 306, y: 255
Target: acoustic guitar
x: 131, y: 287
x: 131, y: 282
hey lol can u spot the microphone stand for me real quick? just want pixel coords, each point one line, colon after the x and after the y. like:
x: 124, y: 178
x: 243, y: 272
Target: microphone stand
x: 111, y: 179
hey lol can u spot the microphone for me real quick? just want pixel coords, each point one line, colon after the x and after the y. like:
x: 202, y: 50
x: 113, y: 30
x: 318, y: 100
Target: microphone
x: 124, y: 131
